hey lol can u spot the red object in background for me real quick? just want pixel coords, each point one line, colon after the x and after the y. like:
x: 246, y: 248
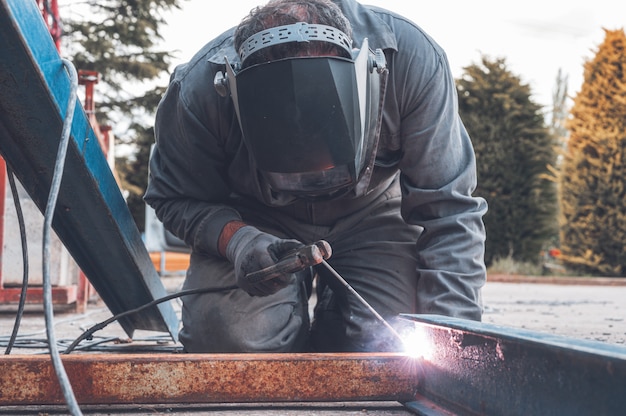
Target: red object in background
x: 554, y: 252
x: 89, y: 79
x: 50, y: 12
x: 80, y: 292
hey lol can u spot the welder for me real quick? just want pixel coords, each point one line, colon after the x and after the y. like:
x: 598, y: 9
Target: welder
x: 318, y: 120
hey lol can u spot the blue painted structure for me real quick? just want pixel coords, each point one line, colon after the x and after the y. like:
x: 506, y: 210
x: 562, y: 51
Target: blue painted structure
x: 91, y: 217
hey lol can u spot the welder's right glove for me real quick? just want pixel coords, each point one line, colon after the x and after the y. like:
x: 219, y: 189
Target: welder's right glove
x: 251, y: 250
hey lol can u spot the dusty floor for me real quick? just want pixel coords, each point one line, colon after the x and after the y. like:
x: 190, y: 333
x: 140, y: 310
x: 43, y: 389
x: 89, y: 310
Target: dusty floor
x: 595, y: 312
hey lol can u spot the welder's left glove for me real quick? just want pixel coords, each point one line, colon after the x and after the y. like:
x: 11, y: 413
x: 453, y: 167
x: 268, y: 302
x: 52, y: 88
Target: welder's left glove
x: 251, y: 250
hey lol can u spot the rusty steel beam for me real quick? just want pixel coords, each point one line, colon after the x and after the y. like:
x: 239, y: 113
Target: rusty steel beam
x: 203, y: 378
x: 474, y: 368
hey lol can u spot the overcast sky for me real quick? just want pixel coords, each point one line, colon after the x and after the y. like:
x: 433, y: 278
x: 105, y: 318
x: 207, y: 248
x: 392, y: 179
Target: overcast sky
x: 536, y: 37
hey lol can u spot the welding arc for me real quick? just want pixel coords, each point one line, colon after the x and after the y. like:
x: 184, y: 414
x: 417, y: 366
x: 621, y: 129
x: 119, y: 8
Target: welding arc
x: 362, y: 300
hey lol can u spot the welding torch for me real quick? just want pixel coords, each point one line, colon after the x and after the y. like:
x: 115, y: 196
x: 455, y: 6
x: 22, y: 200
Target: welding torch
x: 308, y: 256
x: 293, y: 262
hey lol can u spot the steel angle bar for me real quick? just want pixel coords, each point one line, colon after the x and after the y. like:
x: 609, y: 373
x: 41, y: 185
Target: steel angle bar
x: 473, y: 368
x: 91, y: 216
x: 209, y: 378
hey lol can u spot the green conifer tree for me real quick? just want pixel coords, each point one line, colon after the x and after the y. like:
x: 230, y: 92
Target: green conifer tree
x: 120, y: 40
x: 593, y: 175
x: 513, y: 149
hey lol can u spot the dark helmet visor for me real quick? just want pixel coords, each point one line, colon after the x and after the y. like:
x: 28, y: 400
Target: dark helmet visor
x: 309, y: 122
x: 301, y: 116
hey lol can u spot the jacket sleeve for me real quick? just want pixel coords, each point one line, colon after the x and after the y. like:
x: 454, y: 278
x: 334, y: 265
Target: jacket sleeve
x: 438, y: 177
x: 187, y: 181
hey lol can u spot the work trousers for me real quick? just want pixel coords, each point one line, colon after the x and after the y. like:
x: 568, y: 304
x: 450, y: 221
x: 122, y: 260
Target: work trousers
x: 373, y: 249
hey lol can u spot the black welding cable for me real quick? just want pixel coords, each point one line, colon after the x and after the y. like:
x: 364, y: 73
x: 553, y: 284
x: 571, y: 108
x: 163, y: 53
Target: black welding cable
x: 57, y: 364
x: 89, y: 332
x: 22, y: 227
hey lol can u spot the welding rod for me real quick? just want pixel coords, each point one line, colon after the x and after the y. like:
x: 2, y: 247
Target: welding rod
x: 363, y: 301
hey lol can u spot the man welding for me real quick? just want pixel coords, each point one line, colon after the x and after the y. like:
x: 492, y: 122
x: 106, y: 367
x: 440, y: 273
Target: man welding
x: 318, y: 120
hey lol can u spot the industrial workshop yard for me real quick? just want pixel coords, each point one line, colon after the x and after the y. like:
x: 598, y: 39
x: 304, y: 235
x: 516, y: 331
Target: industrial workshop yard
x: 590, y: 309
x: 547, y: 346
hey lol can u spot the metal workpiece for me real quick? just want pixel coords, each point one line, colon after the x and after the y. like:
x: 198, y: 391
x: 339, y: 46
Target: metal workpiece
x: 474, y: 368
x: 209, y: 378
x: 91, y: 216
x: 451, y: 367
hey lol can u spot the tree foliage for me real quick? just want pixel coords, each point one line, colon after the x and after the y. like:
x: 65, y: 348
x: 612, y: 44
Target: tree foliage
x: 119, y: 39
x: 513, y: 150
x: 135, y: 172
x: 593, y: 175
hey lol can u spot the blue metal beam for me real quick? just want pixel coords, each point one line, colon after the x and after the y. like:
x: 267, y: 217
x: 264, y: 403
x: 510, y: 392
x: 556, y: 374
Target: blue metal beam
x: 474, y: 368
x: 91, y: 217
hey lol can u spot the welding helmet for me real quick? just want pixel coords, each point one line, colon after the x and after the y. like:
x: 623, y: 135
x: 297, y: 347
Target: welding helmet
x: 311, y: 123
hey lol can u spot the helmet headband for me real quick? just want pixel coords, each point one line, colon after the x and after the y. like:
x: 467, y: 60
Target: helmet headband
x: 297, y: 32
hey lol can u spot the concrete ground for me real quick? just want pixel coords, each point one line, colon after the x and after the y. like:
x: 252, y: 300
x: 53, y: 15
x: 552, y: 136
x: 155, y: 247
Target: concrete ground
x: 585, y: 310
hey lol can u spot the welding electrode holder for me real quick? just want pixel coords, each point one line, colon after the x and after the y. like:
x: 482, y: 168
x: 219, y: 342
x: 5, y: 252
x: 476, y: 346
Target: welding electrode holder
x: 294, y: 261
x: 308, y: 256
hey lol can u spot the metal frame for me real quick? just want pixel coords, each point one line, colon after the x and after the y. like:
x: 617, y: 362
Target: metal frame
x: 92, y: 218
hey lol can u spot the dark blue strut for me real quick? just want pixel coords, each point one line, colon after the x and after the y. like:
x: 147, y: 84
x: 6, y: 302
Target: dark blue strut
x: 91, y: 217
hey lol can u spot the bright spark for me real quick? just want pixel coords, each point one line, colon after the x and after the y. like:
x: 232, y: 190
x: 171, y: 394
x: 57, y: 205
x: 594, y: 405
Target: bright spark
x: 417, y: 343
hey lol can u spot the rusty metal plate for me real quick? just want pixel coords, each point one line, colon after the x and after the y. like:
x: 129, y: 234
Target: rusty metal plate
x: 214, y: 378
x: 477, y: 368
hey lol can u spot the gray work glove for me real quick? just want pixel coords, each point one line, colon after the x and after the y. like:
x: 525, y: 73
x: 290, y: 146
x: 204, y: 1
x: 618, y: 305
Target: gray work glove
x: 251, y: 250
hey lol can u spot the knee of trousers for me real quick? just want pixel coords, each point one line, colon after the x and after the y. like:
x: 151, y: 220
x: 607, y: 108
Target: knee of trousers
x: 241, y: 323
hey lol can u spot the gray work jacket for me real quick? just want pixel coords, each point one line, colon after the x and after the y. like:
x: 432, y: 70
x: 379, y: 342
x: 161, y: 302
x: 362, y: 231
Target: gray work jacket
x: 200, y: 161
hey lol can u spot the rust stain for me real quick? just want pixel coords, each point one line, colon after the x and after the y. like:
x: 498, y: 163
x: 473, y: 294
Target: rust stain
x: 210, y: 378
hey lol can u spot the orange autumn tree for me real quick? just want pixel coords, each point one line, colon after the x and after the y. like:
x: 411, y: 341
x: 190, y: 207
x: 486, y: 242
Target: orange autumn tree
x: 592, y: 178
